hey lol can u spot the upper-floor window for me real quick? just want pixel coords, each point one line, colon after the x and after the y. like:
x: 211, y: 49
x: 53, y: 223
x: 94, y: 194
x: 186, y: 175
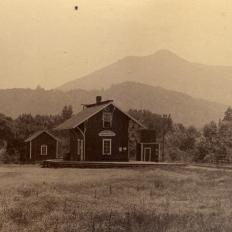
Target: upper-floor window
x: 107, y: 119
x: 44, y: 150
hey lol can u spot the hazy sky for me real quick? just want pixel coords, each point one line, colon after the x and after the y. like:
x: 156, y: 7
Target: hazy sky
x: 47, y: 42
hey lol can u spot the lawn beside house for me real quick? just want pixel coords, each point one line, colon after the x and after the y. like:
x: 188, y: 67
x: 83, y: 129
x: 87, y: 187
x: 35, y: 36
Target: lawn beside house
x: 149, y: 199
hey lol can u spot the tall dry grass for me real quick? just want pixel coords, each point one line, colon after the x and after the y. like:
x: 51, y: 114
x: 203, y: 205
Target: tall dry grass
x: 114, y: 200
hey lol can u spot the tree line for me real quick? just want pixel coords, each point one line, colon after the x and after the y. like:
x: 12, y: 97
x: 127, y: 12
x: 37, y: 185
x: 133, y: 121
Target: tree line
x: 212, y: 143
x: 13, y: 132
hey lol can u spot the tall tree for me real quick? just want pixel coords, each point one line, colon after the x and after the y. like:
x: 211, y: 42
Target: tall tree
x: 6, y: 128
x: 228, y: 115
x: 210, y: 131
x: 152, y: 120
x: 67, y: 112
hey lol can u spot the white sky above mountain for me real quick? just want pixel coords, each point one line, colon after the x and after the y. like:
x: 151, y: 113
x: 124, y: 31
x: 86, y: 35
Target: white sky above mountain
x: 48, y: 42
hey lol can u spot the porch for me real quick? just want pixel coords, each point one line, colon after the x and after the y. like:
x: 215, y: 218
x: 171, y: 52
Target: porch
x: 59, y: 163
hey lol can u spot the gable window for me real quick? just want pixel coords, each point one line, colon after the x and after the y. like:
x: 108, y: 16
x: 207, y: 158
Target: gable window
x: 107, y: 119
x: 44, y: 150
x: 106, y: 147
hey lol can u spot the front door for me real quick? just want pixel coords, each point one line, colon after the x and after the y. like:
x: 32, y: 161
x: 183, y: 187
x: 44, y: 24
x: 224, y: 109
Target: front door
x: 147, y: 154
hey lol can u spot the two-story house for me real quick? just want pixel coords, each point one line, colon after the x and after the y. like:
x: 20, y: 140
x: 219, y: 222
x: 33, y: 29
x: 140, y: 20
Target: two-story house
x: 99, y: 132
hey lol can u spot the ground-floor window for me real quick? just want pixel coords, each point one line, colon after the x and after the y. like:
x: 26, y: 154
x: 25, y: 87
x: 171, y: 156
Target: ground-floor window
x: 44, y: 150
x: 106, y: 147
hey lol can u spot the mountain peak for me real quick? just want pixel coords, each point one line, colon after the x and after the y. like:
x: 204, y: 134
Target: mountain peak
x: 159, y: 54
x: 166, y: 69
x: 165, y: 54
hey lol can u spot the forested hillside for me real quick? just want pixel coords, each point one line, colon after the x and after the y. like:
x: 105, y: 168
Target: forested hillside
x: 129, y: 95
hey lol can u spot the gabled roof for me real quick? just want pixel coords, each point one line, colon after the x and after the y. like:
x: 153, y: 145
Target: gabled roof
x: 132, y: 118
x: 38, y: 133
x: 87, y: 113
x: 81, y: 117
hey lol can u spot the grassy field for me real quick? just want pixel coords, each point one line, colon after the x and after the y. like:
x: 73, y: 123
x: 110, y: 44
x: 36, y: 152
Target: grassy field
x: 174, y: 199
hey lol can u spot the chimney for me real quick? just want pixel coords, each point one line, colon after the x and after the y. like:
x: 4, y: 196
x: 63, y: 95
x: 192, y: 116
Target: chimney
x: 98, y: 99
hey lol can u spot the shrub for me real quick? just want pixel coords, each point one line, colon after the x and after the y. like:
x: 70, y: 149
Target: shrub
x: 6, y: 157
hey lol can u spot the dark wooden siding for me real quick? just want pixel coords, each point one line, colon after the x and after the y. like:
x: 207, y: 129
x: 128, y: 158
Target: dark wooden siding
x: 147, y: 136
x: 93, y: 142
x: 138, y: 152
x: 26, y: 156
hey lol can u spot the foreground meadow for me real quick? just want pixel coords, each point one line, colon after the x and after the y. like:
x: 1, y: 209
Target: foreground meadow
x: 174, y: 199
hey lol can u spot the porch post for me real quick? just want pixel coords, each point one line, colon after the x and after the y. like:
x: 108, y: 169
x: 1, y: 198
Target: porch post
x: 30, y: 150
x: 83, y: 134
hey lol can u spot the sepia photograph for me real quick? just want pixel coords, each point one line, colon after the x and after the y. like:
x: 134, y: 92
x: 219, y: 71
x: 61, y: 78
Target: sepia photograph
x: 115, y: 116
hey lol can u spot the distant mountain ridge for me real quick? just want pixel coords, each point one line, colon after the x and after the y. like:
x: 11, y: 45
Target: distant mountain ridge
x: 128, y: 95
x: 164, y: 69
